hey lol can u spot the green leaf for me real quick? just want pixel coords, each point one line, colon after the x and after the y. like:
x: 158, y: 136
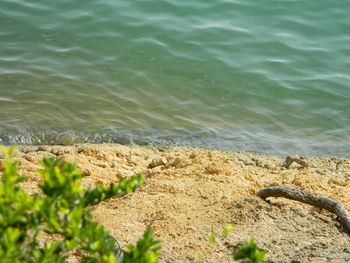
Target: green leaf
x: 145, y: 251
x: 71, y: 244
x: 110, y: 258
x: 197, y: 259
x: 227, y: 230
x: 250, y: 251
x: 9, y: 152
x: 212, y: 239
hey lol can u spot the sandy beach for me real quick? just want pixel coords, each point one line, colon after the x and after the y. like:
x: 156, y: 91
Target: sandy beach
x: 190, y: 193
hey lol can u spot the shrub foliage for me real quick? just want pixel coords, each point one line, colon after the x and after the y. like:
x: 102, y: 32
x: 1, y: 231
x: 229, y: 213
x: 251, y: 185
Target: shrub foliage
x: 61, y: 211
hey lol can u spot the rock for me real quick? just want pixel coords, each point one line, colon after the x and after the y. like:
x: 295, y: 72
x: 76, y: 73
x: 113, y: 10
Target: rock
x: 59, y: 151
x: 86, y: 172
x: 157, y: 162
x: 101, y: 164
x: 176, y: 162
x: 42, y: 149
x: 294, y: 165
x: 296, y: 161
x: 246, y: 160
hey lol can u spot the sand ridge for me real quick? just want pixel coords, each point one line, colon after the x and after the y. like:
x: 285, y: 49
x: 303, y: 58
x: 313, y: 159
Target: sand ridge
x: 191, y: 192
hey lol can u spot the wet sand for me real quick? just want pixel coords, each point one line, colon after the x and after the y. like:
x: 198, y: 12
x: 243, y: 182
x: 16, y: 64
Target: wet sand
x: 190, y: 193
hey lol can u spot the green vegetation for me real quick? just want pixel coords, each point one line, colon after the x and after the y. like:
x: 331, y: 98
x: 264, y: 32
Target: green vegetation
x: 248, y: 253
x: 49, y: 226
x: 251, y: 252
x: 61, y: 211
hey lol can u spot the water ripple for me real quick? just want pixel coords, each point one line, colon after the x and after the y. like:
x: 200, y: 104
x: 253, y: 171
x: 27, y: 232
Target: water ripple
x: 268, y: 76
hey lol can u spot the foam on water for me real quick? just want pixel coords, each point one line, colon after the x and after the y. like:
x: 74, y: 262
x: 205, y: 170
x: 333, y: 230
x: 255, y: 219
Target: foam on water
x: 266, y: 76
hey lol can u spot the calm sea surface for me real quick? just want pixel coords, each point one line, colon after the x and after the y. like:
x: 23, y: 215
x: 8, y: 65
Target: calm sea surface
x: 271, y: 76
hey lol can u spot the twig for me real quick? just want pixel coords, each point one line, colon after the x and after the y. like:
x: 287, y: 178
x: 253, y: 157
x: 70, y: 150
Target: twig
x: 117, y: 251
x: 319, y: 201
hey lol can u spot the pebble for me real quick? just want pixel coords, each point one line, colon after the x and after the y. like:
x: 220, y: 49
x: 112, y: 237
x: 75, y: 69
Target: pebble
x: 157, y: 162
x: 101, y: 164
x: 295, y: 161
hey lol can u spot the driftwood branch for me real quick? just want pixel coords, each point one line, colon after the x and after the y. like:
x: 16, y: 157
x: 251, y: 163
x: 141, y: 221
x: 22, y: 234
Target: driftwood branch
x: 329, y: 204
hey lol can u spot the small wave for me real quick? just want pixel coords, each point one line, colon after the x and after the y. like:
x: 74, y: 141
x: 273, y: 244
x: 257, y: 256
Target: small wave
x: 229, y: 74
x: 256, y: 141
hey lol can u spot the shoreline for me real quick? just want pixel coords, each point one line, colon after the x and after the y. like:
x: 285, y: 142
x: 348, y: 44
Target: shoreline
x: 192, y: 192
x: 263, y: 143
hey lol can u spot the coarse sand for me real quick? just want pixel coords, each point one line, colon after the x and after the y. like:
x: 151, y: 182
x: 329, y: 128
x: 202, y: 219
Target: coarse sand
x: 190, y: 193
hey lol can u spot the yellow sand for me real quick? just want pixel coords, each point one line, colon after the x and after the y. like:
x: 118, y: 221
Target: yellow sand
x: 190, y: 193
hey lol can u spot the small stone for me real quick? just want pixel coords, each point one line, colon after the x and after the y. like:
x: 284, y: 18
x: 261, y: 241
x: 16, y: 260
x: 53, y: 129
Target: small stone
x: 157, y: 162
x: 213, y: 169
x: 290, y: 159
x: 176, y: 162
x: 193, y: 156
x: 59, y: 151
x: 246, y: 160
x: 42, y: 149
x: 101, y: 164
x: 86, y: 172
x: 295, y: 161
x: 294, y: 165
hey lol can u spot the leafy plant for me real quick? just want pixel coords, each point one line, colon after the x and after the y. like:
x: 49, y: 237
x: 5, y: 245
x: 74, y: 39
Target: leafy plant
x: 227, y: 230
x: 214, y: 240
x: 62, y: 212
x: 145, y: 250
x: 251, y: 253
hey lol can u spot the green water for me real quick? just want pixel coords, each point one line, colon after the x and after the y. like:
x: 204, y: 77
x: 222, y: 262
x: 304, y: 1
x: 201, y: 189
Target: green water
x: 266, y: 76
